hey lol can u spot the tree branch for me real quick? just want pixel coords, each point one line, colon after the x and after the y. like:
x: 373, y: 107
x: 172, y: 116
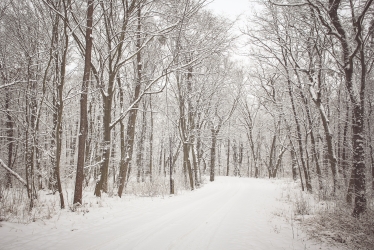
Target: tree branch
x: 13, y: 173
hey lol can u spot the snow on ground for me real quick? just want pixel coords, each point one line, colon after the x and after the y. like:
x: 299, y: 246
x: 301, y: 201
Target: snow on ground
x: 230, y: 213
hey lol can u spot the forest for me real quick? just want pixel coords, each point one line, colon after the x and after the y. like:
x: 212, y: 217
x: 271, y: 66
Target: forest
x: 150, y: 97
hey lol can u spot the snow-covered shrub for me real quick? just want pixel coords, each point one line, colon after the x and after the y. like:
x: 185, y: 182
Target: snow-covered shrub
x: 336, y: 224
x: 302, y: 204
x: 15, y: 205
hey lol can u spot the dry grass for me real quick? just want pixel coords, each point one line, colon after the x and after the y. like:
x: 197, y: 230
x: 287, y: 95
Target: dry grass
x: 327, y: 218
x: 158, y: 187
x: 337, y: 225
x: 302, y: 204
x: 15, y: 204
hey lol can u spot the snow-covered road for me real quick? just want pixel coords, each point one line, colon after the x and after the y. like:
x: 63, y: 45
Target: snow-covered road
x: 230, y: 213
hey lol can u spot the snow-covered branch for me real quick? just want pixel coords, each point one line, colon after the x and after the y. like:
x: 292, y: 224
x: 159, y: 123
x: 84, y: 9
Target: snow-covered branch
x: 13, y: 173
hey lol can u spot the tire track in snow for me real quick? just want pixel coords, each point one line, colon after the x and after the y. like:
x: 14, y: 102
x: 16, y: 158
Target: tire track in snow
x: 218, y: 209
x: 171, y: 214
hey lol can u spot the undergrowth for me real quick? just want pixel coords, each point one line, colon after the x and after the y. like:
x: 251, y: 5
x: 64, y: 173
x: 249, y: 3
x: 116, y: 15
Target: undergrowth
x: 338, y: 225
x: 326, y: 217
x: 15, y: 204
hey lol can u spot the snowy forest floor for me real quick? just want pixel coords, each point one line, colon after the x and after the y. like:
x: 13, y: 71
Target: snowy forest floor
x: 230, y: 213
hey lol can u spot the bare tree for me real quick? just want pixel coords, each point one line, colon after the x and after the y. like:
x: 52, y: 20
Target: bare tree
x: 83, y: 105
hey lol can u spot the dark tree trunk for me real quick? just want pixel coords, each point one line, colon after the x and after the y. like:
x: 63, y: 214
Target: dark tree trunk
x: 31, y: 115
x: 330, y: 151
x: 370, y: 142
x: 9, y: 133
x: 258, y: 162
x: 272, y: 154
x: 140, y: 148
x: 297, y: 123
x: 358, y: 101
x: 151, y: 142
x: 228, y: 158
x: 359, y: 162
x: 102, y: 184
x: 83, y: 106
x: 187, y: 164
x: 240, y: 160
x: 160, y: 161
x: 294, y: 164
x: 186, y: 125
x: 199, y: 152
x: 299, y: 140
x: 165, y: 162
x: 171, y: 178
x: 278, y: 162
x: 249, y: 166
x: 125, y: 167
x: 59, y: 111
x: 313, y: 143
x: 235, y: 158
x: 345, y: 147
x: 54, y: 44
x: 196, y: 167
x: 213, y: 153
x: 351, y: 188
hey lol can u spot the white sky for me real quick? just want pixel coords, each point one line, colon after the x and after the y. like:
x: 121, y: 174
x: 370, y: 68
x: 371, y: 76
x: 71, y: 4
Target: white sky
x: 230, y: 8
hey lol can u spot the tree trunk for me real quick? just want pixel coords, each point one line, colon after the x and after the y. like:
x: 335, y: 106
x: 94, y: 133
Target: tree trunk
x: 299, y: 139
x: 125, y: 167
x: 313, y: 143
x: 228, y: 158
x: 9, y: 133
x: 359, y: 161
x: 53, y: 177
x: 345, y: 147
x: 171, y: 178
x: 151, y: 142
x: 140, y: 148
x: 235, y: 158
x: 358, y: 101
x: 83, y: 106
x: 196, y: 167
x: 257, y: 162
x: 213, y: 153
x: 271, y: 155
x: 278, y: 162
x: 187, y: 164
x: 371, y: 151
x: 240, y: 160
x: 60, y: 109
x: 199, y: 152
x: 294, y: 164
x: 351, y: 187
x: 102, y: 184
x: 249, y: 166
x: 31, y: 115
x: 162, y: 154
x: 330, y: 150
